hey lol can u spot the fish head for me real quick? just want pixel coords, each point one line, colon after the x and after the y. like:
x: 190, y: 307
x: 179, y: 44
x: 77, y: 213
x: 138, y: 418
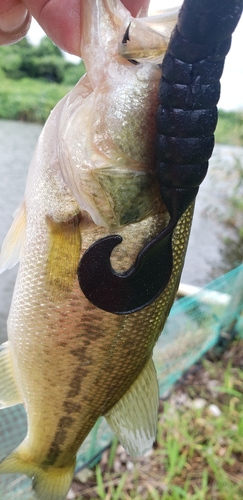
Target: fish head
x: 109, y: 32
x: 107, y: 150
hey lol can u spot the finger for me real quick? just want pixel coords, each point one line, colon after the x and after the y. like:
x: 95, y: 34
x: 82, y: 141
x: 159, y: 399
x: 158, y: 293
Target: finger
x: 135, y: 6
x: 62, y: 25
x: 14, y: 21
x: 60, y: 22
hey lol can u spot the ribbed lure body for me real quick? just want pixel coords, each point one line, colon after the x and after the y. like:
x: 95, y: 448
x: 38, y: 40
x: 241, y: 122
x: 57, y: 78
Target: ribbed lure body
x: 189, y: 92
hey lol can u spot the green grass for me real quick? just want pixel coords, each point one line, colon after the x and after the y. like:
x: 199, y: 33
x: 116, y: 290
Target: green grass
x: 28, y: 99
x: 197, y: 456
x: 230, y: 128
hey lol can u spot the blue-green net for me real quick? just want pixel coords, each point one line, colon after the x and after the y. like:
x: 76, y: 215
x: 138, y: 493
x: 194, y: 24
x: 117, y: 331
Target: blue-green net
x: 194, y: 326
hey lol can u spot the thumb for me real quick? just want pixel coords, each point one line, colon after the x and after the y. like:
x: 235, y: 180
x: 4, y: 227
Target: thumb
x: 14, y: 21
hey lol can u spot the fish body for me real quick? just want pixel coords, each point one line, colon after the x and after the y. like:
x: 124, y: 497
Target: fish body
x: 93, y: 174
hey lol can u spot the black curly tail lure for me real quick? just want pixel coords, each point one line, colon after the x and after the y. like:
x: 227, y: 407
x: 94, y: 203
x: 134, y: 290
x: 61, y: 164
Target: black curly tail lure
x: 187, y: 116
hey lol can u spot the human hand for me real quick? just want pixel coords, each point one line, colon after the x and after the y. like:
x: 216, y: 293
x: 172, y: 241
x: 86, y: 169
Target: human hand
x: 59, y: 19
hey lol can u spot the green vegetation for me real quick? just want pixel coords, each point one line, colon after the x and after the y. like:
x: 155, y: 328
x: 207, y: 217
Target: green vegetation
x: 198, y: 452
x: 29, y: 100
x: 44, y: 62
x: 34, y: 79
x: 230, y: 128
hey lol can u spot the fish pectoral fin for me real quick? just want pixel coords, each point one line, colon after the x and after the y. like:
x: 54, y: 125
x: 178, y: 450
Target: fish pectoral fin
x: 134, y: 417
x: 52, y: 483
x: 9, y: 392
x: 13, y: 242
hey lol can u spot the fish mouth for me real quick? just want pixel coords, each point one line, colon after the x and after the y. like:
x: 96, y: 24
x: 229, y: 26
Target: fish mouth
x: 146, y: 39
x: 126, y: 39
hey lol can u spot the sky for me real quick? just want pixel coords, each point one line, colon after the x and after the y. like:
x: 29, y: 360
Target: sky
x: 232, y: 79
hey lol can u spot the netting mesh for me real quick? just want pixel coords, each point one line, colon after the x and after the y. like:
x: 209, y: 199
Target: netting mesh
x: 195, y: 325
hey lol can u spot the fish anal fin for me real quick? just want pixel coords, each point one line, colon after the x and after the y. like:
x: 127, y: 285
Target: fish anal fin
x: 63, y: 255
x: 134, y: 417
x: 12, y: 244
x: 48, y: 484
x: 9, y: 392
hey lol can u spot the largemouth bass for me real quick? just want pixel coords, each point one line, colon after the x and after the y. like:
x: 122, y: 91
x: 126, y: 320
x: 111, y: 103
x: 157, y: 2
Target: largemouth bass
x: 92, y: 175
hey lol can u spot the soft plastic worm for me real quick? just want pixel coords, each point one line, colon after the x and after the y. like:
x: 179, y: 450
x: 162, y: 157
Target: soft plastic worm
x: 186, y: 119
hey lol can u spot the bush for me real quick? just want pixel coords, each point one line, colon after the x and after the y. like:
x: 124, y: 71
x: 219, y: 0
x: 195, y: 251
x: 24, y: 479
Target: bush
x: 230, y: 128
x: 46, y: 61
x: 73, y: 73
x: 50, y: 68
x: 29, y: 100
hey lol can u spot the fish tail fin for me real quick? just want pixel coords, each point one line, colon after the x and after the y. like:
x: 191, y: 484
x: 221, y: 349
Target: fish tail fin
x: 51, y: 483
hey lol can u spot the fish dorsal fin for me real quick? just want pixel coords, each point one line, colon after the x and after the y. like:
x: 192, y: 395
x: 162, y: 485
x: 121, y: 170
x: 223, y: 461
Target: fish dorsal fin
x: 12, y: 244
x: 9, y: 393
x: 134, y: 418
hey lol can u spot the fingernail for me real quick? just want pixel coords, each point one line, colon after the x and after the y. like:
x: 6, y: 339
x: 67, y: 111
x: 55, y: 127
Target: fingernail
x: 13, y: 18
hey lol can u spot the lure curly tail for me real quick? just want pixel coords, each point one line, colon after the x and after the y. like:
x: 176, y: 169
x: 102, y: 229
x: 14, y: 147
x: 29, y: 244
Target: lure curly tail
x: 187, y: 116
